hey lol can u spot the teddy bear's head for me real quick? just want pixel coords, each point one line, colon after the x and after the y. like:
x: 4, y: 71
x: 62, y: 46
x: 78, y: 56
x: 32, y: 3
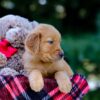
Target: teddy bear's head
x: 15, y: 28
x: 16, y: 36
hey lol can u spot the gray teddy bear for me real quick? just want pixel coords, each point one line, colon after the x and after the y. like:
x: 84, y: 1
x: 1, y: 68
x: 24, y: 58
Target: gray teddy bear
x: 15, y: 29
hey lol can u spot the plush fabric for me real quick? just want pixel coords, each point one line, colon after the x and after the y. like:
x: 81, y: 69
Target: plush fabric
x: 12, y: 21
x: 3, y: 59
x: 16, y: 87
x: 14, y: 29
x: 13, y: 55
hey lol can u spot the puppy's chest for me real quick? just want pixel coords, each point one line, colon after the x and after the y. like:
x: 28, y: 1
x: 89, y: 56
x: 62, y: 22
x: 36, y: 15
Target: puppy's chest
x: 47, y: 70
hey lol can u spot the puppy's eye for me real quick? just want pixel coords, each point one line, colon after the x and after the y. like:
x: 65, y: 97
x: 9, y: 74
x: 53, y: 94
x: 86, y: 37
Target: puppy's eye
x: 50, y: 41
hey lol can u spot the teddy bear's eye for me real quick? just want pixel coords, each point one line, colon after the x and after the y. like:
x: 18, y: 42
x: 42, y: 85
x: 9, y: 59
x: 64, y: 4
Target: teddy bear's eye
x: 50, y: 41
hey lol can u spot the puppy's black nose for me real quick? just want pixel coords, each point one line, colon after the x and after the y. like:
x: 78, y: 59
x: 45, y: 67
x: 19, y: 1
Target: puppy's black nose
x: 61, y: 54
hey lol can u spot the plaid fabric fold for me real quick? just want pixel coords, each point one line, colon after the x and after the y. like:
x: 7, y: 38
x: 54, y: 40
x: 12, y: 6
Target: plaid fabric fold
x: 17, y: 88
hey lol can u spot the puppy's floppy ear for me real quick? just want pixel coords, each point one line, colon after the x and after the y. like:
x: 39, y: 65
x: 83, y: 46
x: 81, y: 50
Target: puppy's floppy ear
x: 33, y: 42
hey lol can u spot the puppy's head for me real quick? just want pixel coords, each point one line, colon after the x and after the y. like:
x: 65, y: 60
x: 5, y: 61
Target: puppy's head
x: 44, y: 42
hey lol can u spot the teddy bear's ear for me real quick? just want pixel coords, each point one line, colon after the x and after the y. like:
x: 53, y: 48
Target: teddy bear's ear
x: 32, y: 42
x: 34, y: 24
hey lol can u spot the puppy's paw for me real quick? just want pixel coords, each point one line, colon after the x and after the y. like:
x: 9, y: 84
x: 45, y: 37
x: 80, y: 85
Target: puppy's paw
x: 65, y: 86
x: 36, y: 81
x: 63, y: 81
x: 37, y: 85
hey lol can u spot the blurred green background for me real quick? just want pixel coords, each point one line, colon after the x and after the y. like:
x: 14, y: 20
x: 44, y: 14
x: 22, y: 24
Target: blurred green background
x: 79, y: 23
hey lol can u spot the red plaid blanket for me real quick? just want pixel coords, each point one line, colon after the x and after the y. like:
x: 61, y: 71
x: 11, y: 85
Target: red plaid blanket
x: 17, y: 88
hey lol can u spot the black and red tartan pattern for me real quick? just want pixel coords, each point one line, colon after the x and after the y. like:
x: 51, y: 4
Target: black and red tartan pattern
x: 17, y: 88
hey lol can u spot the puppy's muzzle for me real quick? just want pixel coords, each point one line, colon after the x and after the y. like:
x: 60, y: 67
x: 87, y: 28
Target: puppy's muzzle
x: 61, y: 54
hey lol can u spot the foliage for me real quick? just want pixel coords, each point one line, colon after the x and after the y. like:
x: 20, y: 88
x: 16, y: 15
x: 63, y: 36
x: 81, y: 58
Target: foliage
x: 82, y: 49
x: 91, y: 95
x: 83, y: 54
x: 77, y: 15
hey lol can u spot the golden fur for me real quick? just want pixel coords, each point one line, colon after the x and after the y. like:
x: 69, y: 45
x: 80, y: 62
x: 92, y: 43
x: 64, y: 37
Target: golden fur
x: 41, y: 58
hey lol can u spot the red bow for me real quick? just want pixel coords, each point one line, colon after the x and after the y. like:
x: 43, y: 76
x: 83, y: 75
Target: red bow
x: 7, y: 49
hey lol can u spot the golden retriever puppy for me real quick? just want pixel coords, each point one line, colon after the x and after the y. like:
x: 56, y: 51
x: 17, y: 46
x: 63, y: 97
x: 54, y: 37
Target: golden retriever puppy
x: 43, y: 57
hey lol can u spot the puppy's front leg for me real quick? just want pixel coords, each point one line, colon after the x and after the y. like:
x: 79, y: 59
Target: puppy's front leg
x: 36, y: 80
x: 63, y: 81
